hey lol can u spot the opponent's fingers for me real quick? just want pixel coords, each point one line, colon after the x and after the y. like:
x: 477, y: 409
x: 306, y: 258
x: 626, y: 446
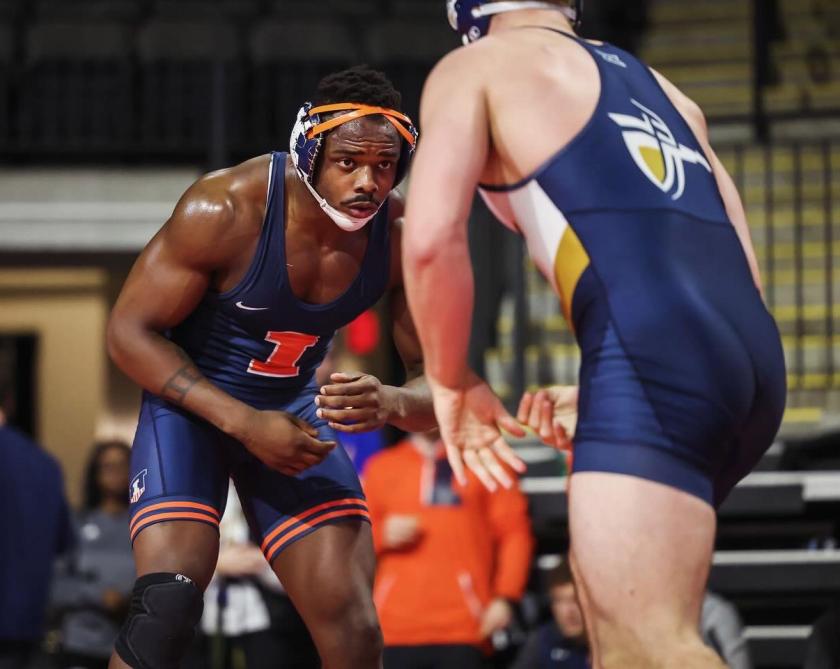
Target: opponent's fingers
x: 561, y: 437
x: 355, y: 428
x: 491, y: 464
x: 536, y: 408
x: 453, y: 454
x: 507, y: 455
x: 509, y: 424
x: 546, y: 425
x: 524, y: 409
x: 476, y: 466
x: 346, y: 401
x: 345, y: 415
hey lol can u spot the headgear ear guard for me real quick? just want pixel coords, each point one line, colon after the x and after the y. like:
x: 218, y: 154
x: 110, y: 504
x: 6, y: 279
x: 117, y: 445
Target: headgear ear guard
x: 308, y: 138
x: 471, y: 18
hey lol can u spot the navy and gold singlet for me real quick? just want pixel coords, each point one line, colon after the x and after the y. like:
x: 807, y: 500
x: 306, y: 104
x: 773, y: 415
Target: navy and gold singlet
x: 682, y: 378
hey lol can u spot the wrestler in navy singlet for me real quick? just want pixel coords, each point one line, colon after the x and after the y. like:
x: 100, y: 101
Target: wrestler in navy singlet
x: 262, y: 345
x: 682, y: 379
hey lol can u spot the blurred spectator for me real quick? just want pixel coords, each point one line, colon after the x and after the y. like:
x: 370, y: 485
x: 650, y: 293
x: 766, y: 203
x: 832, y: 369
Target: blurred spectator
x: 453, y: 560
x: 561, y: 643
x: 722, y: 630
x: 246, y: 612
x: 823, y: 651
x: 34, y: 527
x: 92, y: 586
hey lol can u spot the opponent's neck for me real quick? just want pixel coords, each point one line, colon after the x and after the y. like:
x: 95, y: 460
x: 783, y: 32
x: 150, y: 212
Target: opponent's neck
x: 548, y: 18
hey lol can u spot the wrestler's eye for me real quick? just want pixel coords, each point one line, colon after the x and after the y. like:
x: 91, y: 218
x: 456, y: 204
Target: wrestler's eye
x: 346, y: 162
x: 386, y: 164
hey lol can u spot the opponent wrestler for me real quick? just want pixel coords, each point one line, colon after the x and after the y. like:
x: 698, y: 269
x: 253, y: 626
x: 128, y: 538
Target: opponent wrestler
x: 223, y: 320
x: 606, y: 169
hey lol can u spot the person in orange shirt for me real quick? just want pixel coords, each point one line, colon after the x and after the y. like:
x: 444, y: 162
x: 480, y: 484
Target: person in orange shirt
x: 451, y: 559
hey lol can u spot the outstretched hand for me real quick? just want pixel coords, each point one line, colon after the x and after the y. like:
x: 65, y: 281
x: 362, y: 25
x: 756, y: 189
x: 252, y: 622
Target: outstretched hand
x: 551, y: 413
x: 471, y: 421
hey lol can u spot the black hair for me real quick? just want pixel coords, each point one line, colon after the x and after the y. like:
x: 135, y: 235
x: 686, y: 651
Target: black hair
x: 360, y: 84
x: 92, y: 493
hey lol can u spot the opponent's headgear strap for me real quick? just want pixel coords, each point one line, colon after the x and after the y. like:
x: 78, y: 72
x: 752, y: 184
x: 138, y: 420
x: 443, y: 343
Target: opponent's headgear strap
x: 400, y: 121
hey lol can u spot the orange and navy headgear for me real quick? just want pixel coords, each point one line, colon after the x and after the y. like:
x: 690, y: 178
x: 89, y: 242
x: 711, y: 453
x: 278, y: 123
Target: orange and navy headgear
x: 311, y: 128
x: 308, y: 137
x: 471, y: 18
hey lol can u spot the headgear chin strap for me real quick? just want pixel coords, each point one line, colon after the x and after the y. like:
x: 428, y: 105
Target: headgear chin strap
x: 308, y: 137
x: 471, y: 18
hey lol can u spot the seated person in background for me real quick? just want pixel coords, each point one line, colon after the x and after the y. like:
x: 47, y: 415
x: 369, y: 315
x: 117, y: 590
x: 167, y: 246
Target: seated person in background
x: 246, y: 612
x: 560, y: 643
x: 92, y: 585
x: 451, y: 558
x: 723, y: 632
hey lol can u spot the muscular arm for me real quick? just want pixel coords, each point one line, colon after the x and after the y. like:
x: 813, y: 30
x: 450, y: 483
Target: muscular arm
x: 414, y: 411
x: 165, y: 285
x: 436, y: 259
x: 693, y: 115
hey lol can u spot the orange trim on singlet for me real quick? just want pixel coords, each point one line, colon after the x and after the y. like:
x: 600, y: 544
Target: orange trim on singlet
x: 318, y: 521
x: 169, y: 505
x: 158, y: 517
x: 358, y: 111
x: 308, y: 514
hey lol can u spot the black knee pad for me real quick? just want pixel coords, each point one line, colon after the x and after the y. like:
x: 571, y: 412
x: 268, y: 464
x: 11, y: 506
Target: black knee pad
x: 165, y: 608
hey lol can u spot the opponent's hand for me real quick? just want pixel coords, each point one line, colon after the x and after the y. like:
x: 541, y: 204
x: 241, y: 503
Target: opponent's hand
x: 551, y: 413
x: 471, y: 420
x: 356, y: 402
x: 400, y: 531
x: 283, y: 442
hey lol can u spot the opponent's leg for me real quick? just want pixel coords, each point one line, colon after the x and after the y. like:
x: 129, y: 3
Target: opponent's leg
x: 175, y: 562
x: 641, y: 553
x: 329, y: 576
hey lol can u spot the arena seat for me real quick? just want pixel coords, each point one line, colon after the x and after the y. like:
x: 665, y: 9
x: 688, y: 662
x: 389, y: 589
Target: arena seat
x: 179, y: 61
x: 233, y: 10
x: 7, y: 53
x: 289, y: 58
x: 75, y: 93
x: 408, y: 62
x: 111, y: 10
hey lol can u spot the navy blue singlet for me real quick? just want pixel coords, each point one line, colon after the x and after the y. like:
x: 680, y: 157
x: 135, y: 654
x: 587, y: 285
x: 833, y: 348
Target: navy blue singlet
x: 682, y: 376
x: 261, y: 344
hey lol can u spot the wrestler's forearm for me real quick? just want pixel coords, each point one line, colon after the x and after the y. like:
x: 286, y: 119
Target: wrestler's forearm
x: 439, y: 286
x: 164, y: 369
x: 413, y: 410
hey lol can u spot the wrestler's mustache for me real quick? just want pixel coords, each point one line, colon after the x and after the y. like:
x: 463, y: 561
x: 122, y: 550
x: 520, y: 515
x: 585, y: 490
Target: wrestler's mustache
x: 362, y: 199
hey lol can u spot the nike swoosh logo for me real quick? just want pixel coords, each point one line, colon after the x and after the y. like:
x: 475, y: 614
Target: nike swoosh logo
x: 242, y: 306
